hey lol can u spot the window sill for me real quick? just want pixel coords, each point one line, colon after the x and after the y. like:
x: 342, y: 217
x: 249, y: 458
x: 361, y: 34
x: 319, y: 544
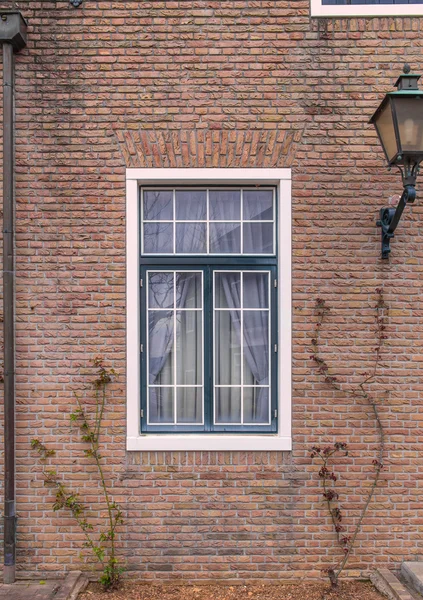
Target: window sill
x: 242, y: 443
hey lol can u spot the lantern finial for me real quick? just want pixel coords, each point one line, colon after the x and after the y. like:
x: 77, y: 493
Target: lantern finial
x: 406, y: 69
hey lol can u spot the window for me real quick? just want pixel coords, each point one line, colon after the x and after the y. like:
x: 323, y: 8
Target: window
x: 204, y: 363
x: 369, y: 8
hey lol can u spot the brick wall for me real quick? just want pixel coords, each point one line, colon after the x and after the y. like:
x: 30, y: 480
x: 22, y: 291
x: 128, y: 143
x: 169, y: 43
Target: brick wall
x: 191, y: 83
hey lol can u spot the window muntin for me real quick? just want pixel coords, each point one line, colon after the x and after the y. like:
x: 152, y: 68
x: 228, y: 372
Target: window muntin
x: 212, y: 221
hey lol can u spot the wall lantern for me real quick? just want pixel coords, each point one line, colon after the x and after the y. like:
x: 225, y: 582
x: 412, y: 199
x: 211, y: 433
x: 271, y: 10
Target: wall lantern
x: 399, y: 124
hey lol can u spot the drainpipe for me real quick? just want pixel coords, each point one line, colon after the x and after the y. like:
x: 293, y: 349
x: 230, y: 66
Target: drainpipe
x: 13, y: 38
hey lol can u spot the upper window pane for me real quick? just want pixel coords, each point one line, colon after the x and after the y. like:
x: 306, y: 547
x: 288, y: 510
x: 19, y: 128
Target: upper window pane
x: 258, y: 205
x: 225, y: 205
x: 191, y: 205
x: 214, y: 221
x: 158, y: 205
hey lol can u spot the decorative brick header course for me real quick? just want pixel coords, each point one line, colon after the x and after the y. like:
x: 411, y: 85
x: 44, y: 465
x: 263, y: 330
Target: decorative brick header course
x: 208, y: 148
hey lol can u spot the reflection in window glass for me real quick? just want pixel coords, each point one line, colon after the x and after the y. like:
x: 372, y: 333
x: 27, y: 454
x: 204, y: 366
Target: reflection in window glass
x: 258, y: 205
x: 214, y: 221
x: 158, y: 205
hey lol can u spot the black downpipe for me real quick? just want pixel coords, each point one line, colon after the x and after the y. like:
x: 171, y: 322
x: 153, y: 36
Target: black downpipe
x: 13, y: 38
x: 9, y: 316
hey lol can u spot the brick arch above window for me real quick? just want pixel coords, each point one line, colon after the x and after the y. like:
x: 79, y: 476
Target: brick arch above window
x: 200, y: 148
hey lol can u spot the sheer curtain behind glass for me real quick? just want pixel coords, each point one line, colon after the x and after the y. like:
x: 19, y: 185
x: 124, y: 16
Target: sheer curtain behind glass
x: 175, y: 347
x: 242, y: 347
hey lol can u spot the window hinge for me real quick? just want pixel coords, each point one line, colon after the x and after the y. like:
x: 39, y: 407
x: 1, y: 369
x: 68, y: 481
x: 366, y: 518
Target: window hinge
x: 141, y: 282
x: 275, y: 283
x: 275, y: 413
x: 276, y: 347
x: 142, y: 348
x: 142, y: 413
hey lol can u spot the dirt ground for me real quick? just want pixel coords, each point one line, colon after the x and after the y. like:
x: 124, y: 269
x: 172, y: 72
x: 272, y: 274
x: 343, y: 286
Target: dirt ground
x: 297, y: 591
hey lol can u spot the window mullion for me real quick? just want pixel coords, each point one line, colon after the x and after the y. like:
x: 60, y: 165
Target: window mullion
x: 208, y: 349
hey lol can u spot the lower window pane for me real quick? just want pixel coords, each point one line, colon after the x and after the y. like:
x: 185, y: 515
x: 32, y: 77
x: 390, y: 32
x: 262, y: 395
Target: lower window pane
x: 256, y: 405
x: 256, y: 347
x: 227, y: 347
x: 161, y: 405
x: 160, y: 347
x: 228, y: 405
x: 189, y: 405
x: 189, y: 347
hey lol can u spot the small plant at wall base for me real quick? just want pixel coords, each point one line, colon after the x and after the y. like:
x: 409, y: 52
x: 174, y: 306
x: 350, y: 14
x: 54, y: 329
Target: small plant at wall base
x: 358, y: 391
x: 102, y: 545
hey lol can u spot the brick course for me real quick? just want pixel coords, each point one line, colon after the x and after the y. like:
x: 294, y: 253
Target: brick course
x: 216, y: 84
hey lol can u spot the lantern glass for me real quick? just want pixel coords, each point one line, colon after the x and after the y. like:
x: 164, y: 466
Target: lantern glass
x: 384, y: 124
x: 409, y: 113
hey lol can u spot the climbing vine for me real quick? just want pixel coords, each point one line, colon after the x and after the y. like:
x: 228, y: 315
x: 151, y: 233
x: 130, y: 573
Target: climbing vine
x: 103, y: 544
x: 326, y: 456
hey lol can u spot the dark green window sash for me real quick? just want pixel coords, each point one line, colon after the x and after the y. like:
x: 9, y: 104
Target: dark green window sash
x: 213, y: 264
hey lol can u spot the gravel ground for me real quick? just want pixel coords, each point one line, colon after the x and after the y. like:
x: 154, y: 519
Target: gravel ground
x: 299, y: 591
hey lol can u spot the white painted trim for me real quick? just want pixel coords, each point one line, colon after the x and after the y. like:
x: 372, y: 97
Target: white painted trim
x: 207, y: 176
x: 364, y: 10
x: 189, y: 442
x: 132, y: 308
x: 206, y: 442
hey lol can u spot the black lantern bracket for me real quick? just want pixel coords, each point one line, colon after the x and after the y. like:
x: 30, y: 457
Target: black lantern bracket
x: 399, y: 124
x: 390, y: 217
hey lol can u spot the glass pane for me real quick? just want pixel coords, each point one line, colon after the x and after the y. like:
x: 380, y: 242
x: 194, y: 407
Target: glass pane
x: 228, y: 405
x: 191, y: 238
x: 256, y: 347
x: 258, y: 205
x: 256, y: 290
x: 158, y: 238
x: 227, y: 290
x: 188, y: 290
x: 191, y: 205
x: 160, y: 347
x: 385, y: 127
x: 258, y: 238
x: 256, y: 405
x: 410, y: 123
x: 189, y: 405
x: 160, y: 405
x: 227, y: 349
x: 225, y: 205
x: 189, y: 347
x: 160, y: 290
x: 158, y: 205
x: 225, y: 238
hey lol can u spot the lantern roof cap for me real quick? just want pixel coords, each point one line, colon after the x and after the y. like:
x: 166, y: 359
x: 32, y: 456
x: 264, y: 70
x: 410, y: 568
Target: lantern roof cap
x: 406, y: 84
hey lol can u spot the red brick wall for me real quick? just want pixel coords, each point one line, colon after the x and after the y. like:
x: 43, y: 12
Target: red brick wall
x: 192, y: 83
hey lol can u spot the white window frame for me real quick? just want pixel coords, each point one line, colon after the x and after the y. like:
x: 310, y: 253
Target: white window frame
x: 318, y: 9
x: 136, y: 441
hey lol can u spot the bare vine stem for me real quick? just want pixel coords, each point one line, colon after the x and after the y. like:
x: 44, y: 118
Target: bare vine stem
x: 357, y: 391
x: 90, y: 434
